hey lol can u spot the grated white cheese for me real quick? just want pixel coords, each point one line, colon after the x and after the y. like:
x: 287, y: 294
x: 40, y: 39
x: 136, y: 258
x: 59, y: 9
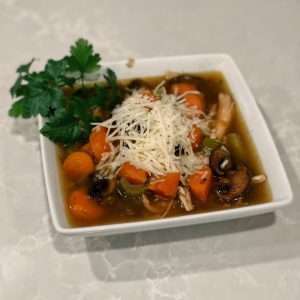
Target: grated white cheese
x: 146, y: 134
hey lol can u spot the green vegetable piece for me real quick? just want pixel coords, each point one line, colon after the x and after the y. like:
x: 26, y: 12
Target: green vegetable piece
x: 235, y: 146
x: 211, y: 144
x: 130, y: 190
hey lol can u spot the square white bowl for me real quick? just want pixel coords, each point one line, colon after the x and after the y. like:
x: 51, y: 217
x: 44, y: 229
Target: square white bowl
x: 281, y: 190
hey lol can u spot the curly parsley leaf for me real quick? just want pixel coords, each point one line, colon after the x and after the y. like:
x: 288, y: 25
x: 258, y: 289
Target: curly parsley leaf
x: 22, y: 70
x: 38, y: 93
x: 20, y: 109
x: 72, y: 124
x: 83, y: 59
x: 25, y: 68
x: 64, y: 128
x: 114, y: 93
x: 56, y: 71
x: 69, y: 114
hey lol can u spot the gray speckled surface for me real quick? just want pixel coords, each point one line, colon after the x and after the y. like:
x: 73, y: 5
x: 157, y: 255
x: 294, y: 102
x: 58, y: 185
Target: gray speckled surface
x: 253, y: 258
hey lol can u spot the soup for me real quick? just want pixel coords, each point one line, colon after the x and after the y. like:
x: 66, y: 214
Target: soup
x: 173, y: 146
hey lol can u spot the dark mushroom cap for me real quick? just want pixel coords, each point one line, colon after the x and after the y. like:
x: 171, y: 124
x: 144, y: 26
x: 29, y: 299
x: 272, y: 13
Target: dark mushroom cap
x: 201, y: 84
x: 137, y: 84
x: 186, y: 78
x: 220, y: 161
x: 182, y: 79
x: 101, y: 187
x: 234, y: 185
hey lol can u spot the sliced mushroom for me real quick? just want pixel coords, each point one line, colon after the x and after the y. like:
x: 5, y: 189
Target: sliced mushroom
x: 232, y: 187
x: 192, y: 80
x: 220, y: 161
x: 102, y: 187
x: 185, y: 198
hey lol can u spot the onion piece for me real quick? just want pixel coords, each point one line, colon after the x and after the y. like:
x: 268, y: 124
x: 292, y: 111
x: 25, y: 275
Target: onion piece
x: 167, y: 209
x: 149, y: 206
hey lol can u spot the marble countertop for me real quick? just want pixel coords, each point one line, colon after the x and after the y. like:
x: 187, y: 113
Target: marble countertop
x: 252, y: 258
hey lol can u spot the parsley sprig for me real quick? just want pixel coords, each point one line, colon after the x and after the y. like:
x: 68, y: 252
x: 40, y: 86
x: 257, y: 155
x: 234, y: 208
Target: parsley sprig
x: 69, y: 115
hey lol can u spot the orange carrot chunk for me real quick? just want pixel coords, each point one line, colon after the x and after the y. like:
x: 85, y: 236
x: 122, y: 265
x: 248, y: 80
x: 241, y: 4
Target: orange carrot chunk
x: 166, y: 185
x: 196, y: 101
x: 87, y: 149
x: 182, y: 87
x: 200, y: 184
x: 133, y: 174
x: 196, y: 137
x: 98, y: 142
x: 78, y: 165
x: 83, y: 208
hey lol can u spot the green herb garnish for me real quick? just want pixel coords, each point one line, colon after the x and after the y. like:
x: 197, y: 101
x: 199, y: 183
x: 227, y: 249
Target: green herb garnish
x: 83, y: 60
x: 69, y: 115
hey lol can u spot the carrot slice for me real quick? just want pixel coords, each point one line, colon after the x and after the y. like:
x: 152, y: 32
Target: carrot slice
x: 87, y: 149
x: 195, y: 101
x: 182, y: 87
x: 133, y: 174
x: 166, y: 185
x: 83, y: 208
x: 78, y: 165
x: 200, y: 184
x: 98, y: 142
x: 191, y: 100
x: 196, y: 137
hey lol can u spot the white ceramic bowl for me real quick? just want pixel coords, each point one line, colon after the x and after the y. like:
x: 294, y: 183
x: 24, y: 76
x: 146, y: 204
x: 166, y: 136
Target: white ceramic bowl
x: 282, y: 194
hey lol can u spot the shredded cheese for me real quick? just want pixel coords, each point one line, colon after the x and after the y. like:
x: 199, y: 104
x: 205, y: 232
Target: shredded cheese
x: 147, y: 133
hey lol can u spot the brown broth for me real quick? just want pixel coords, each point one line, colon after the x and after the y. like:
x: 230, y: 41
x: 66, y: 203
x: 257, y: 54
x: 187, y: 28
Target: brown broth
x: 211, y: 84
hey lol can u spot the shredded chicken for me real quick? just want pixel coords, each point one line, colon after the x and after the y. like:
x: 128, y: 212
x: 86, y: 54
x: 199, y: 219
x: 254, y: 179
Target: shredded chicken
x: 213, y: 110
x: 185, y: 198
x: 224, y: 114
x: 167, y: 209
x: 149, y: 206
